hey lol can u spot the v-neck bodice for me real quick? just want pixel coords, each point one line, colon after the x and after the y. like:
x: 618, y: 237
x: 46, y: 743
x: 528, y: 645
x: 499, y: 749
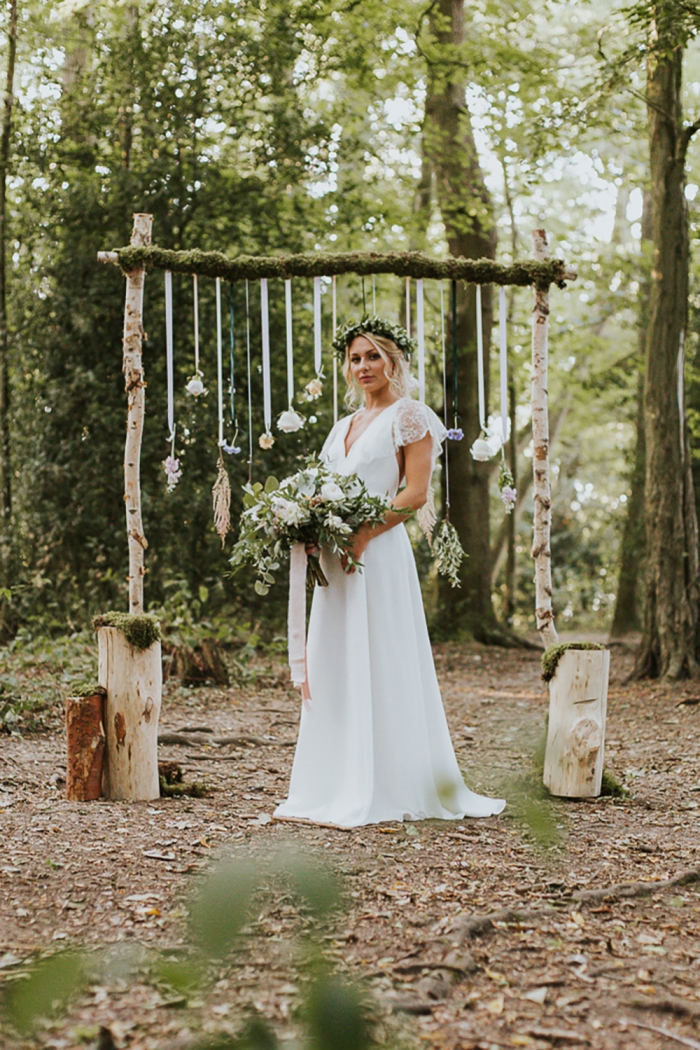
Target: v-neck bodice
x: 373, y: 456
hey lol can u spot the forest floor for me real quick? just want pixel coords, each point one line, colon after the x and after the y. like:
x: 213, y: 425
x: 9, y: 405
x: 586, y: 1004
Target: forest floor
x: 555, y: 968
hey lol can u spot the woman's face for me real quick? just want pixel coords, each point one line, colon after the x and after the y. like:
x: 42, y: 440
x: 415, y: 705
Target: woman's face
x: 367, y: 366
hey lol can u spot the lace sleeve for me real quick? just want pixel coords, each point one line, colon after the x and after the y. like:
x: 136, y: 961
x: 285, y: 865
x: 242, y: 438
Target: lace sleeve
x: 413, y: 421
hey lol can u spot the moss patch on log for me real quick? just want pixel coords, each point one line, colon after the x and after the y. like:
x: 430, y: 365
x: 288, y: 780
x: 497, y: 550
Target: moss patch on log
x: 329, y: 264
x: 141, y: 630
x: 552, y: 656
x: 610, y: 786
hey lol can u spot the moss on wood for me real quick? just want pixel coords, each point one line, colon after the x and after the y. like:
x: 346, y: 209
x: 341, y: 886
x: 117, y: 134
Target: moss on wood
x: 552, y: 656
x: 329, y: 264
x: 611, y: 787
x: 141, y: 630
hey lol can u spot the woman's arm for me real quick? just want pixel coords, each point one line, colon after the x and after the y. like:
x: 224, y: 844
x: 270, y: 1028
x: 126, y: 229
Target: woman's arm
x: 417, y: 471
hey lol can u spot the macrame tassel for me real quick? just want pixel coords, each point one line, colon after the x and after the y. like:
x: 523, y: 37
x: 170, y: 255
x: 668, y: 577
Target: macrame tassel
x: 221, y: 494
x: 427, y: 516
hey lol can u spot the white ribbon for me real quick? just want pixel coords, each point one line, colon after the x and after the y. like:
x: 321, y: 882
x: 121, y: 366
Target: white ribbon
x: 296, y: 614
x: 169, y: 353
x: 480, y: 360
x: 505, y: 422
x: 335, y: 359
x: 420, y: 334
x: 408, y: 307
x: 290, y: 340
x: 265, y: 329
x: 318, y: 343
x: 195, y: 293
x: 219, y: 362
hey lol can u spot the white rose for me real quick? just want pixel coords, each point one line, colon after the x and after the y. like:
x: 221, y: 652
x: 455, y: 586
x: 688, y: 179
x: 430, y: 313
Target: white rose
x: 332, y: 492
x: 481, y: 450
x: 290, y: 421
x: 288, y: 512
x: 195, y: 387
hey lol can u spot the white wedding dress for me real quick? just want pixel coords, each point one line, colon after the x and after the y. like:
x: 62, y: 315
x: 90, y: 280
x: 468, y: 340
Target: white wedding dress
x: 373, y: 743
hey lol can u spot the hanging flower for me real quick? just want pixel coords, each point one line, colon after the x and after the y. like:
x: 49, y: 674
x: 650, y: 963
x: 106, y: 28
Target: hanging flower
x: 481, y: 450
x: 290, y: 421
x: 173, y: 472
x: 506, y: 484
x: 195, y: 387
x: 509, y: 496
x: 266, y: 440
x: 313, y: 389
x: 232, y: 449
x: 455, y: 434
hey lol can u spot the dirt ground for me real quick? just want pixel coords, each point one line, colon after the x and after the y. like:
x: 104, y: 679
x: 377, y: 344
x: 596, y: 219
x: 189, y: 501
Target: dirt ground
x: 608, y: 972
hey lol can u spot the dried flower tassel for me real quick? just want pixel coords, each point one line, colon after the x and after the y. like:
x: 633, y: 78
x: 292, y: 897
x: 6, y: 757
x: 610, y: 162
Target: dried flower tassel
x: 427, y: 517
x: 222, y: 501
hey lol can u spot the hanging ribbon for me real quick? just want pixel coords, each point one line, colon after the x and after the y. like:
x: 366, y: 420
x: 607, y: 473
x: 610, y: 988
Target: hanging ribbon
x: 232, y: 449
x: 408, y: 307
x: 481, y: 381
x: 420, y: 334
x: 374, y: 295
x: 455, y: 373
x: 444, y: 402
x: 250, y: 390
x: 219, y: 362
x: 318, y: 343
x: 290, y: 344
x: 169, y: 355
x: 195, y: 295
x: 296, y: 614
x: 171, y: 465
x: 335, y: 359
x: 265, y: 335
x: 505, y: 421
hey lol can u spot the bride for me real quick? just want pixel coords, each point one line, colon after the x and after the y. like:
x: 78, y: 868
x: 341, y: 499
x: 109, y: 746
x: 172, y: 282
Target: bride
x: 373, y: 743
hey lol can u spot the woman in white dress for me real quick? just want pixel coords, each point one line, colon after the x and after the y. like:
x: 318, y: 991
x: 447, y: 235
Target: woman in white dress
x: 373, y: 742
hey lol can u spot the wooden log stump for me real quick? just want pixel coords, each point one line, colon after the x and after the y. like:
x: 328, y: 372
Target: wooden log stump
x: 133, y: 680
x: 85, y: 746
x: 578, y: 698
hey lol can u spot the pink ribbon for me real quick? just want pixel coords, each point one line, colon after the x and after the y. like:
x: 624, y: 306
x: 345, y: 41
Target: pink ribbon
x: 296, y: 614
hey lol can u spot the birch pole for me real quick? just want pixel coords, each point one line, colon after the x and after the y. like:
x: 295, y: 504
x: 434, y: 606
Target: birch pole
x: 136, y: 394
x: 541, y: 549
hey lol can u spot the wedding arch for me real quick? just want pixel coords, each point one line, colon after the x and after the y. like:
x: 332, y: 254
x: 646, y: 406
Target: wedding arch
x: 129, y: 674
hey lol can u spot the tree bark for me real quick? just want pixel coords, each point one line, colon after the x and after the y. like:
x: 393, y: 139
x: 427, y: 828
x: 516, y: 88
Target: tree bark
x: 85, y: 746
x: 133, y: 680
x: 466, y: 211
x: 627, y: 615
x: 668, y: 646
x: 541, y: 548
x: 578, y: 697
x: 5, y: 467
x: 135, y: 387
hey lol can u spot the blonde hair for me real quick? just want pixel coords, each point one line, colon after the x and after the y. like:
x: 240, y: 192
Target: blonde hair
x: 396, y: 369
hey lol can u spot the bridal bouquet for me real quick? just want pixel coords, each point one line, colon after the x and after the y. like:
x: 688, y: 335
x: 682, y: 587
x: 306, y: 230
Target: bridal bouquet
x: 316, y: 507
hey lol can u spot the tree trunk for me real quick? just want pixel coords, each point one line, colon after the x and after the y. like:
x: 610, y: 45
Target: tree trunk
x: 133, y: 679
x: 668, y: 646
x: 85, y: 746
x: 5, y: 467
x: 466, y: 210
x: 541, y: 548
x: 626, y: 617
x: 578, y: 697
x: 135, y: 387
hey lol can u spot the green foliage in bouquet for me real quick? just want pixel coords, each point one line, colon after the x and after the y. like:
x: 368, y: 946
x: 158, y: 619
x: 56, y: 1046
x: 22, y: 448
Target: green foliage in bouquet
x: 316, y: 507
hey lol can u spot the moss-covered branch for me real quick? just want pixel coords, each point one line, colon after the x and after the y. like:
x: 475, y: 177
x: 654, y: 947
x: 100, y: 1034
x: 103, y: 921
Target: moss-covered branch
x: 328, y: 264
x: 141, y: 630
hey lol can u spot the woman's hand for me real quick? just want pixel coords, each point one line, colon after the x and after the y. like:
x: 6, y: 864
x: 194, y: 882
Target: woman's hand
x: 359, y: 545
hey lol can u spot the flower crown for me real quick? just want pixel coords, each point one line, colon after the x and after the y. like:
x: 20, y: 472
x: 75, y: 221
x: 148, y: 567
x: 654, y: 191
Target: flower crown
x: 375, y: 326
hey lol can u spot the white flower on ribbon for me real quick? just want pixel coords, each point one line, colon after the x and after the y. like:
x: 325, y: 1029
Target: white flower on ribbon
x: 332, y: 492
x: 266, y: 440
x: 195, y: 387
x: 290, y: 421
x: 482, y: 450
x: 313, y: 389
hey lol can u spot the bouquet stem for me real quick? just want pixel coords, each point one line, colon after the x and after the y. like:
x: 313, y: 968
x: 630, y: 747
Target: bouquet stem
x: 314, y: 572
